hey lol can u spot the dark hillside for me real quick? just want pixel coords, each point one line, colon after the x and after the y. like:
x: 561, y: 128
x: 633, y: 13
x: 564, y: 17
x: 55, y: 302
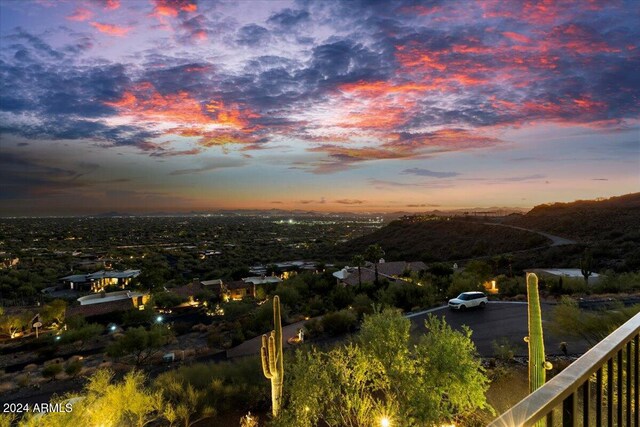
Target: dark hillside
x: 587, y: 220
x: 611, y: 228
x: 441, y: 239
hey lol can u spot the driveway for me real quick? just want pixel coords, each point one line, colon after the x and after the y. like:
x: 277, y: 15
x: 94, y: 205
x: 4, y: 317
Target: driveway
x: 253, y: 345
x: 498, y: 320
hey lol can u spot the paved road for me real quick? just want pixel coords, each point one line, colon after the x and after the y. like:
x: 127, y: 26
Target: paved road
x: 253, y: 345
x: 499, y: 319
x: 555, y: 240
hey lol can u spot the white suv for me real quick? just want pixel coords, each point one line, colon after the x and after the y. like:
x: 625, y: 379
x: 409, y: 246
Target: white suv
x: 467, y: 300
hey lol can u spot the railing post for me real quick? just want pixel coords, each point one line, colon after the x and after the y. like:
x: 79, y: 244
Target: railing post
x: 563, y: 391
x: 619, y: 389
x: 569, y: 411
x: 599, y: 398
x: 629, y: 372
x: 636, y: 341
x: 586, y: 403
x: 610, y: 393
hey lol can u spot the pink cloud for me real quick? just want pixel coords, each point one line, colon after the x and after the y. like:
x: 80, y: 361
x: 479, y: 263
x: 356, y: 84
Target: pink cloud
x: 112, y: 30
x: 80, y: 14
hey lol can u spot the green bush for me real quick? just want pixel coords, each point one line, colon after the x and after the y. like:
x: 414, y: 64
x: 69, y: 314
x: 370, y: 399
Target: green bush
x: 167, y: 299
x: 339, y: 322
x: 313, y: 328
x: 52, y: 371
x: 73, y: 368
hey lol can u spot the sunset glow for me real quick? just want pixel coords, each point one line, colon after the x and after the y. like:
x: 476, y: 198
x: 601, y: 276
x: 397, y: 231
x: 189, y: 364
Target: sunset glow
x: 185, y: 105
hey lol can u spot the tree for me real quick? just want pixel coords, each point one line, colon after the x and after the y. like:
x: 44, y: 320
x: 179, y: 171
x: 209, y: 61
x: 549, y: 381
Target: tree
x: 140, y: 343
x: 586, y: 265
x: 184, y: 404
x: 592, y: 326
x: 140, y: 317
x: 383, y: 374
x: 81, y: 335
x: 10, y: 325
x: 107, y: 403
x: 358, y: 261
x: 54, y: 312
x: 373, y: 254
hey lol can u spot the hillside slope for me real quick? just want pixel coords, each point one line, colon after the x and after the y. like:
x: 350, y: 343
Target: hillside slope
x: 440, y: 240
x: 589, y: 221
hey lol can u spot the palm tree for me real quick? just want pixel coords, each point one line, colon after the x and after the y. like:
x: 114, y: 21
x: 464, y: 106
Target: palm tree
x: 358, y: 261
x: 373, y: 254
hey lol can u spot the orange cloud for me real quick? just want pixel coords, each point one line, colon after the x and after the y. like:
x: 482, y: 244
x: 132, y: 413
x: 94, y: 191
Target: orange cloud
x: 171, y: 8
x: 441, y: 140
x: 383, y: 87
x: 112, y: 30
x: 80, y: 14
x: 411, y: 57
x: 516, y: 37
x: 214, y: 122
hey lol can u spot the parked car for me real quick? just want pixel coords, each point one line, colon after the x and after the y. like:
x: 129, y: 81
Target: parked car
x: 468, y: 300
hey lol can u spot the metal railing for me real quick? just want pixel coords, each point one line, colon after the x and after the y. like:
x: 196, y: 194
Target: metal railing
x: 599, y: 389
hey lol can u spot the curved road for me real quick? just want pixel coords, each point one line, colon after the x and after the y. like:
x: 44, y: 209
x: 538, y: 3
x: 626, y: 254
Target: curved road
x: 498, y: 320
x: 555, y: 240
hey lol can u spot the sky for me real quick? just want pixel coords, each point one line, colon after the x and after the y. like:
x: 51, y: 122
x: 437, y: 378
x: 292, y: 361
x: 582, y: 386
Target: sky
x: 143, y: 106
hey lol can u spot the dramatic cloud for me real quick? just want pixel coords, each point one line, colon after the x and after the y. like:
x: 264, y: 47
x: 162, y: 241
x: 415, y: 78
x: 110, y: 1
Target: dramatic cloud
x: 328, y: 88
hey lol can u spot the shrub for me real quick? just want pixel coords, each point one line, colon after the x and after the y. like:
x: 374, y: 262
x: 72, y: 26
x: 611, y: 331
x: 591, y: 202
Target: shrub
x: 52, y: 371
x: 313, y: 328
x: 73, y: 368
x: 339, y: 322
x: 503, y: 349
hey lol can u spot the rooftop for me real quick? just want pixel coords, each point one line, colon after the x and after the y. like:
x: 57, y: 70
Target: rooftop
x: 103, y: 298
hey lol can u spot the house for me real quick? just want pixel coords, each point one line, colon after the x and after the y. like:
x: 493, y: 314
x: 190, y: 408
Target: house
x: 391, y: 271
x: 8, y: 260
x: 99, y: 280
x: 566, y: 273
x: 104, y: 303
x: 233, y: 290
x: 262, y: 280
x: 239, y: 289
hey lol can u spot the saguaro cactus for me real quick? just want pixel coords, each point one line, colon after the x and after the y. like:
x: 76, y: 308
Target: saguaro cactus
x: 272, y: 363
x: 537, y: 364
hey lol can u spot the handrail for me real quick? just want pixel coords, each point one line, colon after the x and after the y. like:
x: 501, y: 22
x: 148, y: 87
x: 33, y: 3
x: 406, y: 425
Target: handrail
x: 542, y: 401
